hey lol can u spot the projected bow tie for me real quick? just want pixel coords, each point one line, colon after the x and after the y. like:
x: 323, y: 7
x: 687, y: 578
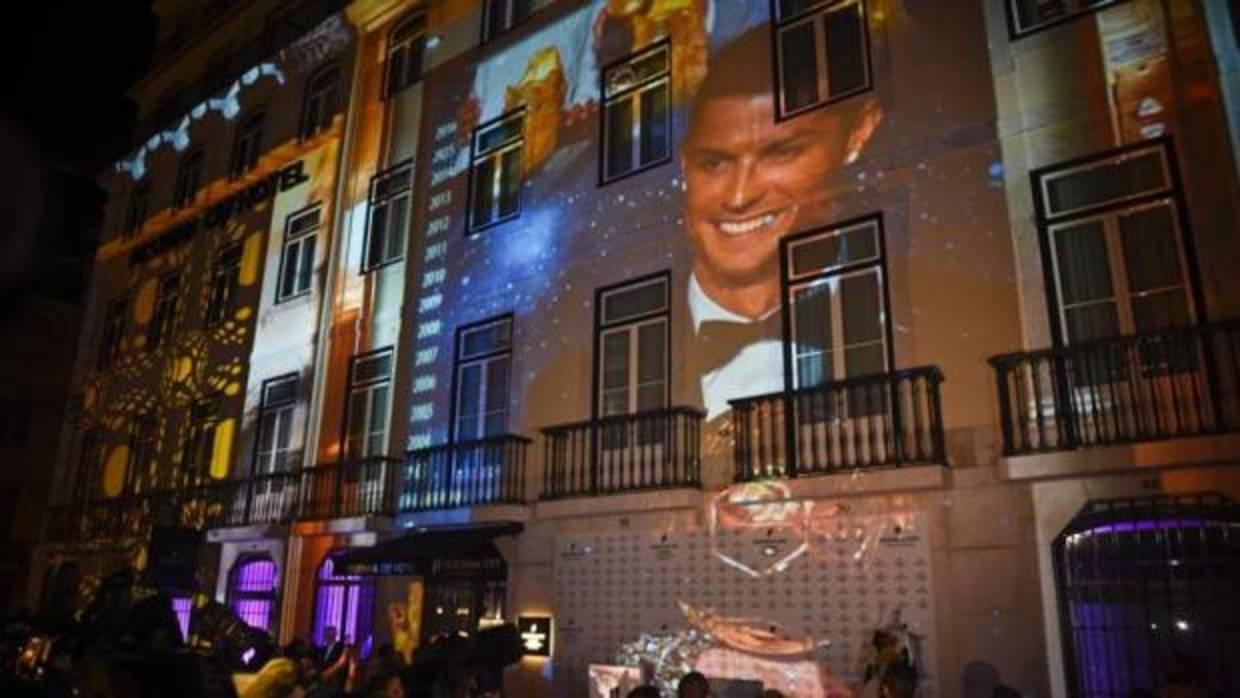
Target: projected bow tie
x: 719, y: 341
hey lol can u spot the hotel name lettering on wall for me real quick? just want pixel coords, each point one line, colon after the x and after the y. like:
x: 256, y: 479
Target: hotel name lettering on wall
x: 224, y: 211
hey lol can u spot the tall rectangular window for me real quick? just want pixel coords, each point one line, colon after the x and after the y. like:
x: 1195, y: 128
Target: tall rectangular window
x: 88, y: 482
x: 225, y: 286
x: 483, y: 368
x: 198, y: 453
x: 389, y: 216
x: 142, y: 474
x: 370, y: 395
x: 113, y: 333
x: 139, y: 206
x: 406, y: 49
x: 189, y: 177
x: 837, y: 302
x: 163, y: 316
x: 276, y: 452
x: 322, y: 100
x: 821, y: 51
x: 495, y: 177
x: 637, y: 118
x: 249, y: 144
x: 633, y: 341
x: 1113, y: 232
x: 301, y: 232
x: 1028, y: 16
x: 498, y: 16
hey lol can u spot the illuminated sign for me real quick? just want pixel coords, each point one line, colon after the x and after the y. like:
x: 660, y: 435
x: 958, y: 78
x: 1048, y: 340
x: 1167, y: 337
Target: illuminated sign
x: 535, y: 634
x: 222, y: 212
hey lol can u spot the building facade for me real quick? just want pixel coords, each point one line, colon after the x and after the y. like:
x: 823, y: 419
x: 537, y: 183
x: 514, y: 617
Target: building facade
x: 709, y: 333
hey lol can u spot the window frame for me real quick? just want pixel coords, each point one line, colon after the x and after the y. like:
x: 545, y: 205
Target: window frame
x: 1172, y: 195
x: 408, y: 45
x: 363, y: 586
x: 189, y: 178
x: 781, y: 24
x: 299, y: 239
x: 143, y: 450
x: 112, y: 332
x: 374, y: 200
x: 304, y: 133
x: 634, y: 93
x: 460, y: 362
x: 248, y: 143
x: 227, y: 264
x: 88, y: 480
x: 233, y: 594
x: 790, y: 282
x: 203, y: 417
x: 495, y: 153
x: 1017, y: 32
x: 167, y: 330
x: 265, y: 406
x: 513, y: 21
x: 356, y: 387
x: 603, y: 327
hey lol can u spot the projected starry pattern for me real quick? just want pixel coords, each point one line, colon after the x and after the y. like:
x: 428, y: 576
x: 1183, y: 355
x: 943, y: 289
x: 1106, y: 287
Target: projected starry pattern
x: 857, y: 576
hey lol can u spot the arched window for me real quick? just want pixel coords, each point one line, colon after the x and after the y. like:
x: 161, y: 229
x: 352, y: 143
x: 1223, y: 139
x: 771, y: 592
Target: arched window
x: 322, y: 100
x: 249, y: 143
x: 406, y: 45
x: 252, y: 590
x: 1146, y: 585
x: 343, y: 602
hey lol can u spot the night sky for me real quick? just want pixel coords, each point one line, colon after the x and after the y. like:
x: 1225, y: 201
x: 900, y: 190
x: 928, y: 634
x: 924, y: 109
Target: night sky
x: 64, y: 116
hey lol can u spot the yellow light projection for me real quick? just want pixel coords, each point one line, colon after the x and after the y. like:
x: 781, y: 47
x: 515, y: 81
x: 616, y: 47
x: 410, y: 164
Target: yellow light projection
x: 114, y: 471
x: 251, y: 259
x: 144, y: 301
x: 220, y: 454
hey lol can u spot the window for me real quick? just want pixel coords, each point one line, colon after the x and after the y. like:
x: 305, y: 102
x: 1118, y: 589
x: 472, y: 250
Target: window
x: 163, y: 317
x: 113, y: 333
x: 822, y: 52
x: 143, y: 454
x: 495, y: 176
x: 1112, y: 235
x: 139, y: 205
x: 837, y: 302
x: 637, y: 119
x: 301, y: 232
x: 189, y: 176
x: 251, y: 594
x: 633, y: 344
x: 87, y: 485
x: 369, y: 402
x: 498, y: 16
x: 321, y: 102
x: 249, y: 144
x: 406, y: 46
x: 343, y: 602
x: 275, y: 453
x: 389, y: 216
x: 225, y: 285
x: 483, y: 367
x: 199, y: 449
x: 1028, y: 16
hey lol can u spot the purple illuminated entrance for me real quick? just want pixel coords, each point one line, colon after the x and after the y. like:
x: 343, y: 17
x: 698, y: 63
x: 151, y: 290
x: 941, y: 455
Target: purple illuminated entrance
x: 252, y: 591
x: 344, y: 602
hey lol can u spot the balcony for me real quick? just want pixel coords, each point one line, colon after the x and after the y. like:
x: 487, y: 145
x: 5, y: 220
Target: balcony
x: 884, y: 420
x: 361, y: 487
x: 470, y: 473
x: 1126, y: 390
x: 624, y: 453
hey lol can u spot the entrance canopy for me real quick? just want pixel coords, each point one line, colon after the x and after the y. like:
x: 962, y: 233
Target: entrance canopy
x: 466, y: 551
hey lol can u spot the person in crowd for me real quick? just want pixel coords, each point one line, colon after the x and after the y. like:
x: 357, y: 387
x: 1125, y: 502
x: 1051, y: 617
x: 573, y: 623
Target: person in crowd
x: 646, y: 691
x: 693, y: 685
x: 383, y: 685
x: 772, y: 693
x: 899, y: 681
x: 332, y: 647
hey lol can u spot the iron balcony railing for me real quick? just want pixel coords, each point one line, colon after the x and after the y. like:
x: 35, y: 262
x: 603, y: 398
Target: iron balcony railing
x: 649, y: 450
x: 468, y: 473
x: 887, y: 419
x: 360, y: 487
x: 1171, y: 384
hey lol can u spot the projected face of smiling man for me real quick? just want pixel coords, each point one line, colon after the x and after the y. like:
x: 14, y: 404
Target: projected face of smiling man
x: 750, y: 180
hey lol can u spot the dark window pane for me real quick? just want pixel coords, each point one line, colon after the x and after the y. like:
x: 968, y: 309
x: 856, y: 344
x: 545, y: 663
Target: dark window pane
x: 1160, y: 311
x: 619, y: 137
x: 862, y: 308
x: 633, y: 302
x: 1107, y: 182
x: 655, y: 124
x: 484, y: 192
x: 1151, y: 250
x: 306, y: 267
x: 799, y: 66
x: 1094, y: 321
x: 1084, y: 269
x: 510, y: 185
x: 845, y: 50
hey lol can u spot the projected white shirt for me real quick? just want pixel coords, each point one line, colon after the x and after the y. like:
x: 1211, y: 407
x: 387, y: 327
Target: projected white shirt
x: 756, y: 369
